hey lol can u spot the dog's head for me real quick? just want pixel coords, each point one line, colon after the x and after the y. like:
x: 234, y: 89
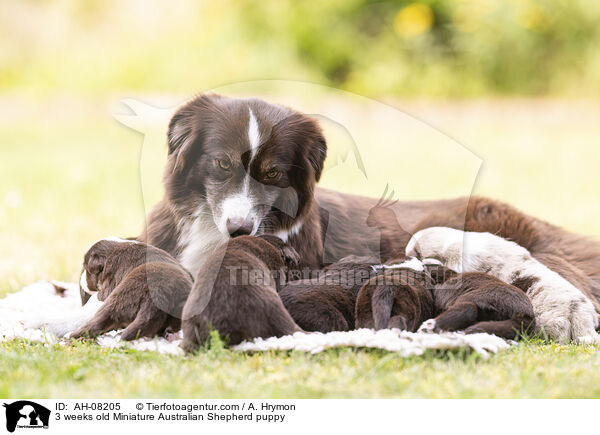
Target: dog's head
x: 248, y: 165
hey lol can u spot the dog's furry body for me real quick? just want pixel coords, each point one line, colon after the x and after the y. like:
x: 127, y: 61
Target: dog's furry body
x: 255, y: 164
x: 236, y: 293
x: 561, y: 310
x: 143, y: 289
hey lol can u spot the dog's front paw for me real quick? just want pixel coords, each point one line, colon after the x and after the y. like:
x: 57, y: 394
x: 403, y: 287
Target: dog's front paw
x: 428, y: 326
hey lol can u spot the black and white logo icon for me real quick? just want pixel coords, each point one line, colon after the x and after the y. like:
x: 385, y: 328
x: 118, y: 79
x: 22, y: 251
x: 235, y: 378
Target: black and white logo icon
x: 25, y: 414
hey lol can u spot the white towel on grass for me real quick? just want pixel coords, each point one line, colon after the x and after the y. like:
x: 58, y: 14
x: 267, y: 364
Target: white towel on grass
x: 40, y: 313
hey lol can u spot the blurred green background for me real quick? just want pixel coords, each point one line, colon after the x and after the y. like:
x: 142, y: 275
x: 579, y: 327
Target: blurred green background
x: 514, y: 81
x: 435, y: 48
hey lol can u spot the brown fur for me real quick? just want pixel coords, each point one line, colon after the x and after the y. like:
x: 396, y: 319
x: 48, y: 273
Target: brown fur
x: 326, y: 303
x: 476, y: 302
x: 222, y: 298
x: 397, y: 299
x: 144, y: 289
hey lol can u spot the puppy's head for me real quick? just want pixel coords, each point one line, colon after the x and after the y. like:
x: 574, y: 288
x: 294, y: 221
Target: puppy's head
x: 92, y: 277
x: 439, y: 243
x: 247, y: 165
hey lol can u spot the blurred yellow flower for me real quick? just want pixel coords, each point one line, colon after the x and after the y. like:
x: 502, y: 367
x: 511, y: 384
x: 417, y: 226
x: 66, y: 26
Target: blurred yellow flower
x: 413, y: 20
x: 531, y: 16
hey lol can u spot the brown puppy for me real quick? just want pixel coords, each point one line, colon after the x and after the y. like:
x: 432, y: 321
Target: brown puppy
x: 143, y: 287
x: 476, y: 302
x: 326, y: 303
x: 236, y: 293
x: 399, y: 298
x: 404, y: 298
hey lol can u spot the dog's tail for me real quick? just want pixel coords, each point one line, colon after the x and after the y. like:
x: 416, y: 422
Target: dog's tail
x: 382, y: 303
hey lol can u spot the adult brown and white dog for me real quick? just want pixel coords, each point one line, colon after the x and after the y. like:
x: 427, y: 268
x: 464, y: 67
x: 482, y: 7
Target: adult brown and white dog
x: 245, y: 166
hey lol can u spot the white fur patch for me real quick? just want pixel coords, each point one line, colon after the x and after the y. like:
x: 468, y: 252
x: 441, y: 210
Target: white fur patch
x: 239, y: 206
x: 119, y: 240
x: 83, y: 283
x: 199, y: 237
x: 413, y: 264
x: 294, y: 230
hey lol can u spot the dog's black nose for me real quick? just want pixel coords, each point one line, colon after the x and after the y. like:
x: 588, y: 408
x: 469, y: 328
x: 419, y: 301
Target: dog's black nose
x: 239, y: 226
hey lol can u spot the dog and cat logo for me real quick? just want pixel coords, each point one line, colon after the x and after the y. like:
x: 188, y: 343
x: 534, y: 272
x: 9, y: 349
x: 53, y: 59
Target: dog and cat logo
x: 25, y: 414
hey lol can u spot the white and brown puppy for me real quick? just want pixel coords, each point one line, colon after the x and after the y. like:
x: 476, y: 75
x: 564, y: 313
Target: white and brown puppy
x: 562, y: 311
x: 236, y: 293
x: 143, y: 289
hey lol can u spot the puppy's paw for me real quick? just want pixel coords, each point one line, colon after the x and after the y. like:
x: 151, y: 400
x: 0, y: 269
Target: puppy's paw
x: 291, y: 258
x: 589, y: 339
x: 428, y: 326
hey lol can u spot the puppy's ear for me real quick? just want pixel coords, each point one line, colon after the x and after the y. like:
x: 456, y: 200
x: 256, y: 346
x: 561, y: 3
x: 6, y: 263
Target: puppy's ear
x: 185, y: 130
x: 95, y: 264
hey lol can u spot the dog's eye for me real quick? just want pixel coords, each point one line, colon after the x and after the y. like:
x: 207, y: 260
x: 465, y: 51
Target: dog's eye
x: 223, y: 164
x: 272, y: 173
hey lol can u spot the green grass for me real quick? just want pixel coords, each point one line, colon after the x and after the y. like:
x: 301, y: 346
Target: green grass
x: 530, y: 370
x: 69, y: 174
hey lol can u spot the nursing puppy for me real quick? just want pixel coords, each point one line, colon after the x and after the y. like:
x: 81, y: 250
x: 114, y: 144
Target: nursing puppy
x: 326, y: 302
x: 476, y: 302
x: 473, y: 302
x: 398, y: 298
x: 561, y: 310
x: 236, y: 293
x: 143, y: 287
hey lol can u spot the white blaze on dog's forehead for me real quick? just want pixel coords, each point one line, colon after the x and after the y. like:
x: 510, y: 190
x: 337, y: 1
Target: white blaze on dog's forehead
x: 83, y: 283
x: 294, y: 230
x: 253, y: 132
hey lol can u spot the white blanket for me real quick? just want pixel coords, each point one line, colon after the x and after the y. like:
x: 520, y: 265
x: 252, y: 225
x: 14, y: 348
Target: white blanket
x: 40, y: 313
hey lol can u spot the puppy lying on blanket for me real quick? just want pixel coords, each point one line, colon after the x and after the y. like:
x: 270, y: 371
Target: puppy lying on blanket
x: 143, y: 287
x: 398, y: 298
x: 236, y: 293
x: 476, y: 302
x: 408, y: 293
x: 325, y: 303
x: 561, y: 310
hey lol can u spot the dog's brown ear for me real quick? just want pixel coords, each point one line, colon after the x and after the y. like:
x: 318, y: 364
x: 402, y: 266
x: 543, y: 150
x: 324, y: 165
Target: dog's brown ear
x: 317, y: 147
x: 306, y: 134
x: 185, y: 130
